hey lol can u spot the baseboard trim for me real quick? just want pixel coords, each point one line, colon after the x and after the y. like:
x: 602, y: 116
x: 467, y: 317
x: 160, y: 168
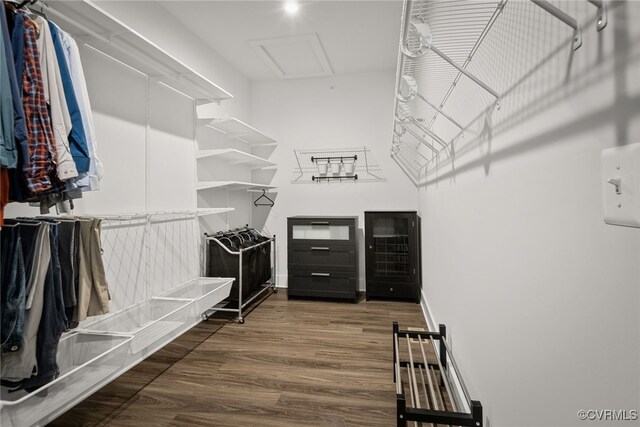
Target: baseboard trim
x: 426, y: 312
x: 433, y: 326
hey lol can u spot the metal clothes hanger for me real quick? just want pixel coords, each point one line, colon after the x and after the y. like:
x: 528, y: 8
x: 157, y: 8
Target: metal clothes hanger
x: 264, y: 196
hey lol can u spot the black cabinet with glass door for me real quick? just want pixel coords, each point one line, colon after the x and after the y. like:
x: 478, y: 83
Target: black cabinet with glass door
x: 392, y: 246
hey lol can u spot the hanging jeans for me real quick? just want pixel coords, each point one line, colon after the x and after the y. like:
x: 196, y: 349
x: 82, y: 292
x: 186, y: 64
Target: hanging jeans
x: 20, y: 365
x: 52, y: 323
x: 13, y: 277
x: 68, y: 257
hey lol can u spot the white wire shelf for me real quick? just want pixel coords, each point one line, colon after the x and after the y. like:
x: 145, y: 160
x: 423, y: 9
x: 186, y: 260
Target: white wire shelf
x: 462, y: 65
x: 235, y: 157
x: 237, y: 129
x: 213, y: 211
x: 95, y: 27
x: 364, y: 165
x: 232, y: 185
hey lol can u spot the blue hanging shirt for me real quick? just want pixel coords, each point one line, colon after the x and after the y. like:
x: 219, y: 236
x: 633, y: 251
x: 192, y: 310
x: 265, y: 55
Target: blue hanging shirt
x: 77, y: 139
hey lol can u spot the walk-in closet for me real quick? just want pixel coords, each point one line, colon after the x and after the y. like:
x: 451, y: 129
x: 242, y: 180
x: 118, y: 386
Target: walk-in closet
x: 281, y: 213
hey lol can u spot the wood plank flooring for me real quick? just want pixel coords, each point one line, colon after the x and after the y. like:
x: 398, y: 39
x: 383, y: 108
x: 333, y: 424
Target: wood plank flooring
x: 292, y: 363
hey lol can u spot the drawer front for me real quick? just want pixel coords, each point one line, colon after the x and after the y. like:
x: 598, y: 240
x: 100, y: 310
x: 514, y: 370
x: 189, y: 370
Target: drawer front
x: 330, y: 283
x: 391, y: 290
x: 334, y: 257
x: 321, y: 231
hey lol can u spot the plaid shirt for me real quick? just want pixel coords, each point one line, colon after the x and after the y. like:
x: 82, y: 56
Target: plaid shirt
x: 40, y: 175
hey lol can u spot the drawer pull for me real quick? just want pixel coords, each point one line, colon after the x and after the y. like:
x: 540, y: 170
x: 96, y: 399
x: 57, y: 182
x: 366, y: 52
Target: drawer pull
x: 319, y: 222
x: 319, y: 248
x: 320, y: 274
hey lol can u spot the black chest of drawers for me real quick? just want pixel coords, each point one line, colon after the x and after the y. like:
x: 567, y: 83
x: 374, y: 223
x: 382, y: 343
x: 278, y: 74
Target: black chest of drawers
x: 322, y: 257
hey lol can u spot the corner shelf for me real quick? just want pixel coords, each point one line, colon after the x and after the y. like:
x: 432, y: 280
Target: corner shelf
x: 235, y: 157
x: 232, y: 185
x: 93, y: 26
x: 238, y: 129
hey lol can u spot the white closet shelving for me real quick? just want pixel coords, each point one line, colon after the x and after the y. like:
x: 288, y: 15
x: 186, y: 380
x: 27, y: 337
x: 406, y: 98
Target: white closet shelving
x: 237, y: 129
x: 227, y: 165
x: 232, y: 185
x: 104, y: 348
x: 98, y: 29
x: 213, y: 211
x: 235, y: 157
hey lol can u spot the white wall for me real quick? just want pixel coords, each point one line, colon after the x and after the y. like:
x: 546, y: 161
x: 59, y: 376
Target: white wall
x: 325, y: 113
x: 542, y: 299
x: 154, y: 22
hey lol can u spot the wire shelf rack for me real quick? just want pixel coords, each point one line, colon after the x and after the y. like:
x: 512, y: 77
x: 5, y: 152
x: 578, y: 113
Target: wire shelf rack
x: 464, y: 68
x: 308, y: 170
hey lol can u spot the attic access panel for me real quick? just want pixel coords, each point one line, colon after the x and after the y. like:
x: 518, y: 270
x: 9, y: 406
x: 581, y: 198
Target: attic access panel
x: 294, y: 57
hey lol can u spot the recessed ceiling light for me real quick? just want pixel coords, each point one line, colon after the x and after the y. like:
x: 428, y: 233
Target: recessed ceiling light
x: 291, y: 7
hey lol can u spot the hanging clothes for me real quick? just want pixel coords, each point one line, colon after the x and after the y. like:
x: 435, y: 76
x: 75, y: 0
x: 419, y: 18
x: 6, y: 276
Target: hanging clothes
x: 8, y: 154
x: 86, y: 181
x: 41, y: 264
x: 52, y: 156
x: 54, y: 95
x: 93, y: 290
x: 77, y: 139
x: 18, y: 365
x: 13, y: 277
x: 20, y: 126
x: 41, y: 176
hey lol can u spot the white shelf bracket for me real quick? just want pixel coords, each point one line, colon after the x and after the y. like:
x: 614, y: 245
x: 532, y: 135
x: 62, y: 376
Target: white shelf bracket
x: 564, y: 17
x: 601, y: 17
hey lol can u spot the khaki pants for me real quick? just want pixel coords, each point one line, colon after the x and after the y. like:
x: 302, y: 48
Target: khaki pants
x: 93, y: 291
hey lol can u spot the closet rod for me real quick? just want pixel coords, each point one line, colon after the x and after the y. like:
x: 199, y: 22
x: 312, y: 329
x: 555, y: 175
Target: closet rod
x: 439, y: 110
x: 415, y: 150
x: 464, y: 71
x: 401, y: 154
x: 415, y: 135
x: 564, y: 17
x: 428, y: 132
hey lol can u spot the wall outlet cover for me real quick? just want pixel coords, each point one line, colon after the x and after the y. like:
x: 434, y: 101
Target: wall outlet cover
x: 620, y: 175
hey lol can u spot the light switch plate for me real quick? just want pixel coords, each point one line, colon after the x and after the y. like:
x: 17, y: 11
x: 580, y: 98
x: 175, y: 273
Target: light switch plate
x: 621, y: 185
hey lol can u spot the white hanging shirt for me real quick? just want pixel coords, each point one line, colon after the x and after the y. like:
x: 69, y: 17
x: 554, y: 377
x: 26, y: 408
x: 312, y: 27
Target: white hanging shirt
x: 54, y: 96
x: 90, y: 180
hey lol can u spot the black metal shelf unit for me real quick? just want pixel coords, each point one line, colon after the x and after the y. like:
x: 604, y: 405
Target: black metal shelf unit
x: 427, y: 377
x: 392, y: 244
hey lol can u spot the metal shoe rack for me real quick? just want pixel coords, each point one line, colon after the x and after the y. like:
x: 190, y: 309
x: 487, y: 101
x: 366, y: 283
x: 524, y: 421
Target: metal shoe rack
x: 242, y: 235
x: 431, y: 378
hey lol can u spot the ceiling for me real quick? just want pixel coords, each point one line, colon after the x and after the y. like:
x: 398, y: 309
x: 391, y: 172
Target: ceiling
x: 357, y: 36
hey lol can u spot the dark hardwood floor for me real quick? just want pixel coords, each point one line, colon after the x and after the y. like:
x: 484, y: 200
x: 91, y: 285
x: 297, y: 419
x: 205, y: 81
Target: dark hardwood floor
x: 293, y: 363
